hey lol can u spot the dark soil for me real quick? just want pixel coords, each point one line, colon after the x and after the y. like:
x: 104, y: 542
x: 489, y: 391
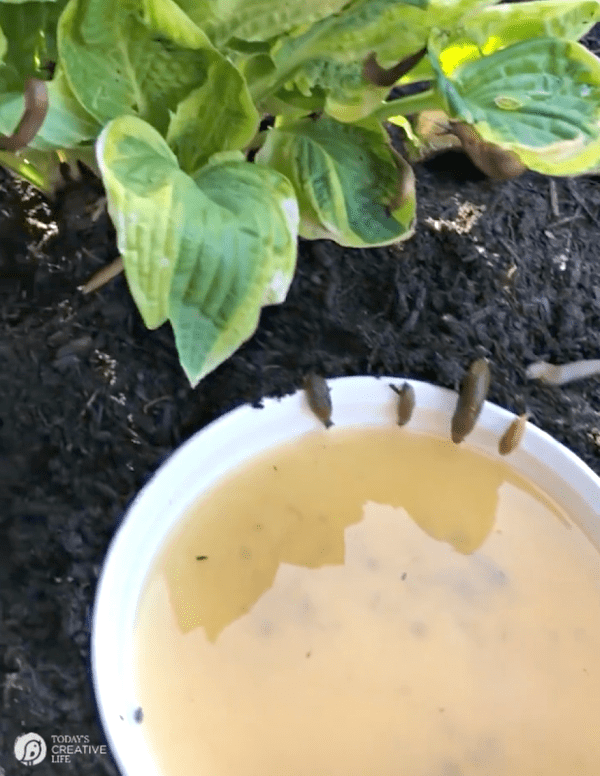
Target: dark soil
x: 91, y: 402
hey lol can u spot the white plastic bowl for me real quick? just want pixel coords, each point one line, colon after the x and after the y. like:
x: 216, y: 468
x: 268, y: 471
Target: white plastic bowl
x: 219, y: 448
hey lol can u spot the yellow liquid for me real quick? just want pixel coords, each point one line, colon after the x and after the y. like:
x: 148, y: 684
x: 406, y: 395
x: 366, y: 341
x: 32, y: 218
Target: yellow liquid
x: 372, y: 603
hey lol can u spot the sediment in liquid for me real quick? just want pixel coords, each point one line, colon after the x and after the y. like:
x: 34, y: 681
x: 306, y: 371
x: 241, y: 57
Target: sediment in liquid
x: 373, y: 603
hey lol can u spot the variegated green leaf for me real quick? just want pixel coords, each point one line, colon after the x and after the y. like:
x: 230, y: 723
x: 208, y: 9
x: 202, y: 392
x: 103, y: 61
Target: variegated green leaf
x: 265, y: 19
x: 349, y: 97
x: 393, y: 29
x: 217, y: 116
x: 494, y: 28
x: 290, y: 102
x: 245, y: 257
x: 166, y: 18
x: 206, y: 252
x: 144, y: 188
x: 328, y: 56
x: 350, y: 184
x: 66, y: 124
x: 27, y: 41
x: 199, y: 11
x: 538, y: 98
x: 123, y: 56
x: 444, y: 14
x: 3, y: 45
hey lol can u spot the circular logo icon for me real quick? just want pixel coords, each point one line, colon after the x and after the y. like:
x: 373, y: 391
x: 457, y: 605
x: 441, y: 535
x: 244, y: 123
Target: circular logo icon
x: 30, y: 749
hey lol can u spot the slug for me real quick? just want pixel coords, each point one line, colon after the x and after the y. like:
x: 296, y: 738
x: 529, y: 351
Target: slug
x: 406, y: 402
x: 560, y: 375
x: 512, y: 436
x: 36, y: 108
x: 379, y: 76
x: 471, y: 397
x: 495, y: 162
x: 319, y: 398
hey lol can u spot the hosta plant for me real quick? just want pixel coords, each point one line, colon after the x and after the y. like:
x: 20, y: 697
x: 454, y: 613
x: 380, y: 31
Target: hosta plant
x: 224, y: 129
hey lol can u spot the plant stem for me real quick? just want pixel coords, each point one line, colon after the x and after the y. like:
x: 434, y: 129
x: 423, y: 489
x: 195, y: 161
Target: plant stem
x: 413, y: 103
x: 257, y: 141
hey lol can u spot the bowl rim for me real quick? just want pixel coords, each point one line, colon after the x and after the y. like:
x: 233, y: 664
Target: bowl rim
x: 234, y: 438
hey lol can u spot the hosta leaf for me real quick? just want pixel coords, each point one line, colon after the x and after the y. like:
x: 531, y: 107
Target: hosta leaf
x: 350, y: 184
x: 3, y: 45
x: 245, y: 258
x: 329, y: 55
x: 166, y: 18
x: 205, y: 252
x: 217, y: 116
x: 393, y: 29
x: 125, y: 56
x: 30, y: 42
x: 66, y: 124
x: 199, y: 11
x: 348, y: 97
x: 293, y: 103
x: 264, y: 19
x: 144, y: 187
x: 445, y: 13
x: 538, y: 98
x: 503, y: 25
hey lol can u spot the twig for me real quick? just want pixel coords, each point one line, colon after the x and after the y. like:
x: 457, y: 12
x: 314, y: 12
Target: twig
x: 581, y: 202
x: 554, y: 199
x: 566, y: 220
x: 511, y: 250
x: 88, y: 403
x: 103, y: 276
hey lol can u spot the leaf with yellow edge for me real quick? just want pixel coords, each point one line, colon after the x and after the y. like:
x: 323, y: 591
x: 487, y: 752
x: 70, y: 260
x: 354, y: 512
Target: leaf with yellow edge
x: 352, y: 187
x: 539, y: 99
x: 208, y: 251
